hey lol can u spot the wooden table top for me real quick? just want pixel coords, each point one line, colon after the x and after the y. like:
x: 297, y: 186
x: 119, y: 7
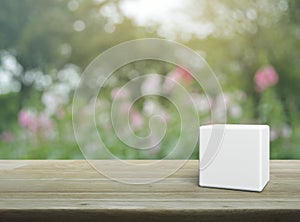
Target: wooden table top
x: 64, y: 190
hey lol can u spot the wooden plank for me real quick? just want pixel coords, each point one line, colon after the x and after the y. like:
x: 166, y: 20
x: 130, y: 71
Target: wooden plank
x: 73, y: 190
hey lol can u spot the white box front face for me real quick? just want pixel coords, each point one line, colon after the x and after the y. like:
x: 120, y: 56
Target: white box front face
x: 242, y: 160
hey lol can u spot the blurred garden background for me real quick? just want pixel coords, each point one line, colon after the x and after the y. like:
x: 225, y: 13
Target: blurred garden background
x: 252, y: 46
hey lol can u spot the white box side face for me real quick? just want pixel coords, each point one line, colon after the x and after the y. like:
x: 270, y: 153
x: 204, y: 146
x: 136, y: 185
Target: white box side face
x: 237, y: 165
x: 265, y: 158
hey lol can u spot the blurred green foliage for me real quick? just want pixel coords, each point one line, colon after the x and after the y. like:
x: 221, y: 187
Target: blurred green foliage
x: 47, y: 36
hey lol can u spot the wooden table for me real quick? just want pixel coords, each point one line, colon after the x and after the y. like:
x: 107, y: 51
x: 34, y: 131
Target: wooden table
x: 71, y: 190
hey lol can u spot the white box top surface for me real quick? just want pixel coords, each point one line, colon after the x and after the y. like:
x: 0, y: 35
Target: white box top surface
x: 234, y: 126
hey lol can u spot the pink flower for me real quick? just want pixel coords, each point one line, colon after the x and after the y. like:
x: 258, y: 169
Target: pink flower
x: 120, y: 93
x: 265, y: 77
x: 178, y: 75
x: 136, y: 119
x: 6, y: 136
x: 28, y: 120
x: 45, y: 123
x: 185, y: 75
x: 35, y: 123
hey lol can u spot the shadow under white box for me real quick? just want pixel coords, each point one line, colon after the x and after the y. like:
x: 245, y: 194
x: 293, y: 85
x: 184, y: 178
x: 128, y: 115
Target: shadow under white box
x: 238, y: 160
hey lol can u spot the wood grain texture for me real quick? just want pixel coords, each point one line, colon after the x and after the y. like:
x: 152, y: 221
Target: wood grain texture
x: 48, y: 190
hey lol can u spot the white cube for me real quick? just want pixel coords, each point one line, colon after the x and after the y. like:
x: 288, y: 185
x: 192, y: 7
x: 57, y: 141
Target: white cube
x: 234, y: 156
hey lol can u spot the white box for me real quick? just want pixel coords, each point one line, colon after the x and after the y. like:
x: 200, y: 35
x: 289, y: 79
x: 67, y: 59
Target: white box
x: 234, y: 156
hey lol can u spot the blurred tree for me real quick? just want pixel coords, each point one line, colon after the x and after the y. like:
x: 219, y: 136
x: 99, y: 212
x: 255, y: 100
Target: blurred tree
x: 33, y: 31
x: 46, y: 35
